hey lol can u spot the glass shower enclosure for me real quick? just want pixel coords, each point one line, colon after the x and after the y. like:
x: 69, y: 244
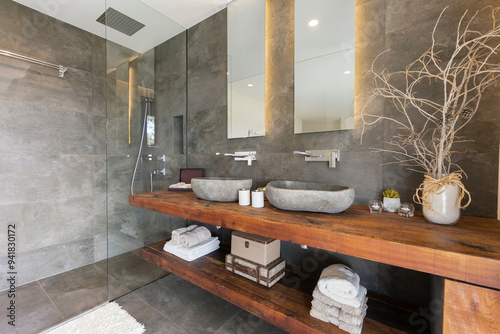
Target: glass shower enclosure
x: 146, y: 108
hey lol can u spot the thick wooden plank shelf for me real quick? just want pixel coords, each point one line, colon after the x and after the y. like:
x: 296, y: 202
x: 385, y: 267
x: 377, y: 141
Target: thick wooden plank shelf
x: 468, y: 251
x: 282, y: 306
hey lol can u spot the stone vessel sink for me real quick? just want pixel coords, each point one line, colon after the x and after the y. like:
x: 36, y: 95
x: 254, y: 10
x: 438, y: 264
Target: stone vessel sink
x: 219, y: 189
x: 309, y: 196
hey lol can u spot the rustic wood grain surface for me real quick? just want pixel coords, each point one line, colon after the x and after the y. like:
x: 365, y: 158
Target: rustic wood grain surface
x: 468, y: 251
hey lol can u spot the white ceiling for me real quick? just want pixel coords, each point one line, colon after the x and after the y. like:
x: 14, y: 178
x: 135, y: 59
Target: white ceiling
x: 163, y: 19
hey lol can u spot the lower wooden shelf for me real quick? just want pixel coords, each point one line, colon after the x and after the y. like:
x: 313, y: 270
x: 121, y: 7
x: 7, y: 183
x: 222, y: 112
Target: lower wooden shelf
x: 282, y: 306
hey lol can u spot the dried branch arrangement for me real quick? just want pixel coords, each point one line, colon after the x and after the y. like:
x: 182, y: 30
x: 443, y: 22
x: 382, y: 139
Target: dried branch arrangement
x: 427, y: 129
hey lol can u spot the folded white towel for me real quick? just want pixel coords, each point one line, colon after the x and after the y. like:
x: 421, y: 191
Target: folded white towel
x: 177, y: 185
x: 352, y: 319
x: 192, y: 253
x: 352, y: 329
x: 346, y: 308
x: 176, y: 234
x: 320, y: 315
x: 355, y: 310
x: 181, y: 185
x: 339, y: 282
x: 195, y: 236
x: 331, y: 311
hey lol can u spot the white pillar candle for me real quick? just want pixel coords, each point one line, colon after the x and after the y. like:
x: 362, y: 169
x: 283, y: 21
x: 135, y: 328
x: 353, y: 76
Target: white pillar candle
x: 257, y: 198
x: 244, y: 197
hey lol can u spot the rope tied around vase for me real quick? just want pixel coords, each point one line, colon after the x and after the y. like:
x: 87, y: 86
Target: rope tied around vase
x: 430, y: 186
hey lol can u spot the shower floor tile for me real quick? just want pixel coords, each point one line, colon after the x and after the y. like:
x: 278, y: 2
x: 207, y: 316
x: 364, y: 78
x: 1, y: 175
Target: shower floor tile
x: 34, y: 310
x: 87, y: 285
x: 131, y: 271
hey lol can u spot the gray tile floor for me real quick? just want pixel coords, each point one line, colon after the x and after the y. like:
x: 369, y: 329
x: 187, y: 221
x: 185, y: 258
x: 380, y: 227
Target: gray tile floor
x: 167, y: 305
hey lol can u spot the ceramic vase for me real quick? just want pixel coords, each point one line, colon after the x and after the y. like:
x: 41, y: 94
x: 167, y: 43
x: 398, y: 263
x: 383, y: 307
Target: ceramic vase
x: 392, y: 204
x: 445, y: 205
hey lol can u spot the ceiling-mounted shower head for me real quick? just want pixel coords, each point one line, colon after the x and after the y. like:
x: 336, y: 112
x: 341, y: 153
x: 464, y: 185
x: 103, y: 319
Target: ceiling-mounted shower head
x: 120, y: 22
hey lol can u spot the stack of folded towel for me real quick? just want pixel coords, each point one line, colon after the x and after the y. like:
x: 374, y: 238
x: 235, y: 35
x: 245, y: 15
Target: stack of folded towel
x: 340, y: 299
x: 192, y: 242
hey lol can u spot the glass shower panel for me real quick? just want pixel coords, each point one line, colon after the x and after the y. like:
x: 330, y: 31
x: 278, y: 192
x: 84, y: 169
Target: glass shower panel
x: 146, y: 96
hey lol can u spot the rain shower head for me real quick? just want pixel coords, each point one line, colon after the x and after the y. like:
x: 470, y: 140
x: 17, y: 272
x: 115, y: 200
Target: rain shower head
x: 120, y: 22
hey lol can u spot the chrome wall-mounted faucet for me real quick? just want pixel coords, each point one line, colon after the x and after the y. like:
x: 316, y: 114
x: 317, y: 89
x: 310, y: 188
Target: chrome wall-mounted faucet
x: 241, y: 156
x: 332, y: 156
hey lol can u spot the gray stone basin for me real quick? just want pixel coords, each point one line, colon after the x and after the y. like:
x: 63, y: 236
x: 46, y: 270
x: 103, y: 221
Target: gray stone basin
x: 309, y: 196
x: 219, y: 189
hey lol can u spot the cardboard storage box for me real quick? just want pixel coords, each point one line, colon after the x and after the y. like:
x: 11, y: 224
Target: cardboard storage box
x: 255, y: 248
x: 265, y: 275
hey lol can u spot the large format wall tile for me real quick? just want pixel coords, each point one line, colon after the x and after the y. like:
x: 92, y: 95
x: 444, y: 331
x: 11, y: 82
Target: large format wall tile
x: 206, y: 64
x: 29, y: 129
x: 28, y: 178
x: 53, y: 143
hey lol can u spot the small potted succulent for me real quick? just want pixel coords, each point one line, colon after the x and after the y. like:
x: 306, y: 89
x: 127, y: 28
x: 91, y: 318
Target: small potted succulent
x: 392, y: 201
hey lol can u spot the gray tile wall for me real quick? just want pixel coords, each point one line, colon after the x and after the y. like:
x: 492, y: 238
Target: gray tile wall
x: 52, y: 147
x: 404, y: 26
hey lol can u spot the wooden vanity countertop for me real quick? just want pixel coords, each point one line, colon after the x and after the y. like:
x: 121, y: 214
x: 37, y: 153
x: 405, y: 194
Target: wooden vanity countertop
x: 468, y: 251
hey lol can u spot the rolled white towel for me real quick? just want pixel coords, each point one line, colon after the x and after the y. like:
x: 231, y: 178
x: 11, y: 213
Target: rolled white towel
x: 175, y: 239
x: 176, y: 234
x: 339, y: 282
x: 355, y: 302
x: 195, y: 237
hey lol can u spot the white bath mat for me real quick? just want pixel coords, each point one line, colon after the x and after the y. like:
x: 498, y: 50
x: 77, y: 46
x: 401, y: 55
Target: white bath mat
x: 108, y: 319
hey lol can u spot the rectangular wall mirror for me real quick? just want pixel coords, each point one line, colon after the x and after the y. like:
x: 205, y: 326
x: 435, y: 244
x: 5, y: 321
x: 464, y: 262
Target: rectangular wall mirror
x: 246, y: 29
x: 324, y: 65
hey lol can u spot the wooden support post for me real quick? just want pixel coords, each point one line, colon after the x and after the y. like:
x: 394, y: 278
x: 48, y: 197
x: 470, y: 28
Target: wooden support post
x: 470, y: 309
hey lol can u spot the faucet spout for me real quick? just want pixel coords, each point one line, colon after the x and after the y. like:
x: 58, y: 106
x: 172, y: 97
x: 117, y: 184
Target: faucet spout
x: 309, y: 155
x: 231, y: 155
x: 241, y: 156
